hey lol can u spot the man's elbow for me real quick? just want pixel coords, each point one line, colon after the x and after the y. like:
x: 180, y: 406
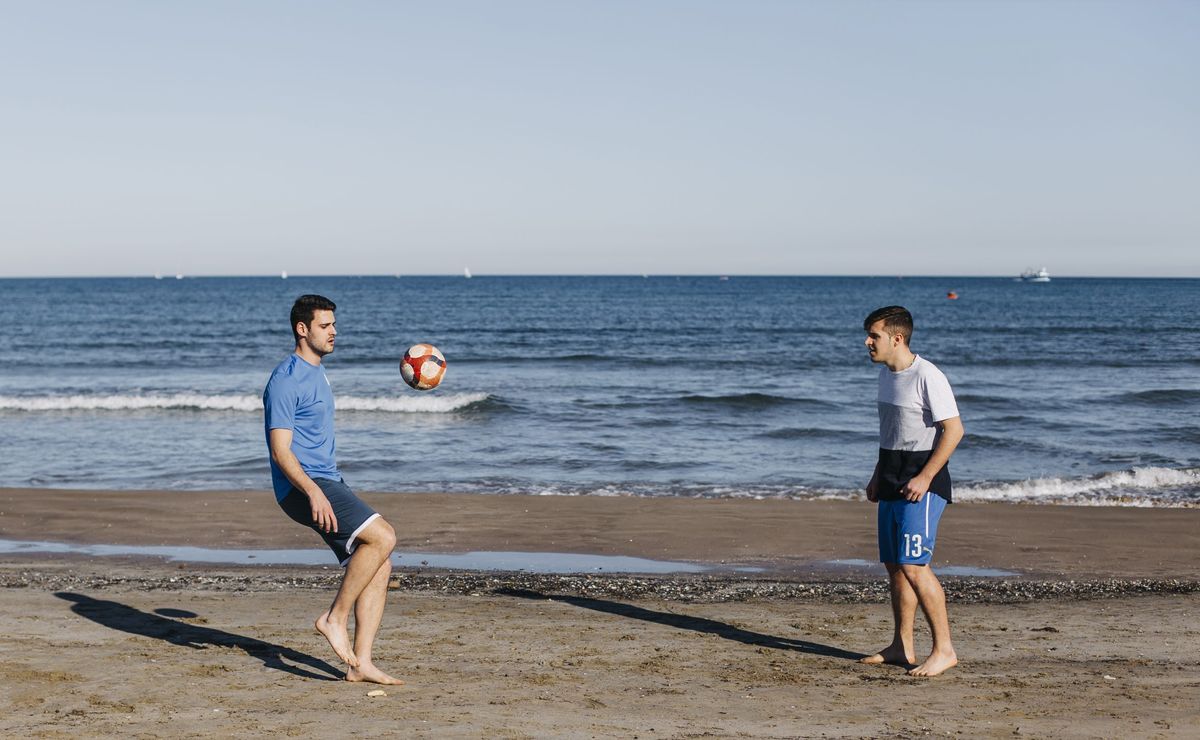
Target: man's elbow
x: 957, y: 430
x: 278, y: 454
x: 953, y: 427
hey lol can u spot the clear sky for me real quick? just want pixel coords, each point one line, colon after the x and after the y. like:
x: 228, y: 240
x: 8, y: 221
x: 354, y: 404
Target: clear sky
x: 573, y: 137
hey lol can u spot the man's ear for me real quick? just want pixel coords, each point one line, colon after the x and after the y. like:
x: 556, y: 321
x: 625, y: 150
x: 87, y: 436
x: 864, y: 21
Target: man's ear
x: 301, y: 329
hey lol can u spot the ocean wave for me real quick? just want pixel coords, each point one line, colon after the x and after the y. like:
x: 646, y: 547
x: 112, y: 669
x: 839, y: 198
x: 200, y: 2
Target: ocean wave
x: 507, y: 359
x: 413, y: 404
x: 757, y: 492
x: 1161, y: 396
x: 989, y: 442
x: 829, y: 434
x: 408, y: 404
x: 753, y: 401
x: 1152, y: 486
x: 977, y: 402
x: 978, y: 398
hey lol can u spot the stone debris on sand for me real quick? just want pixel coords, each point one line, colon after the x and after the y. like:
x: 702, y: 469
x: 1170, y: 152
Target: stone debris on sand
x: 685, y: 589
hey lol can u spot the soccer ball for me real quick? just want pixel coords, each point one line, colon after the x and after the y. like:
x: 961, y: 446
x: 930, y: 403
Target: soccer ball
x: 423, y: 367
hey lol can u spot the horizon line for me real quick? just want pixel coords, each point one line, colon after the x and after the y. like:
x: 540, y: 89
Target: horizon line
x: 458, y: 276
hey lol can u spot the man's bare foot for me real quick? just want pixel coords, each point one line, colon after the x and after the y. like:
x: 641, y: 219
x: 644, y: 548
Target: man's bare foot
x: 935, y: 665
x: 338, y: 638
x: 369, y: 673
x: 892, y: 655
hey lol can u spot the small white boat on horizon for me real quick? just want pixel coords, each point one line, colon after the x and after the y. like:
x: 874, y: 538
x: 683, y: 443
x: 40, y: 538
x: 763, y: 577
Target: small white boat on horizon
x: 467, y: 272
x: 1035, y: 276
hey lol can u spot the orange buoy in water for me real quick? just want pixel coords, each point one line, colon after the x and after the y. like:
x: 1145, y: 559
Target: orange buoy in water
x: 952, y: 295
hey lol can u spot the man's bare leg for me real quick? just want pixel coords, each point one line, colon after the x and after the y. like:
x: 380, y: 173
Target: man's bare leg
x: 904, y: 612
x: 375, y: 544
x: 932, y: 599
x: 368, y: 613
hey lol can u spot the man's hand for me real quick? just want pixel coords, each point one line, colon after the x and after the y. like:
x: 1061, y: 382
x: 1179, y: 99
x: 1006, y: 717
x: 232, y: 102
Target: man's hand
x: 322, y: 512
x: 952, y: 434
x: 281, y: 453
x: 873, y: 490
x: 916, y: 488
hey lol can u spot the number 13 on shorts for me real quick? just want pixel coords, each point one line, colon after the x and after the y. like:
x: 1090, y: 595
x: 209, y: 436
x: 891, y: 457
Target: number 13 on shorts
x: 908, y: 529
x: 912, y: 546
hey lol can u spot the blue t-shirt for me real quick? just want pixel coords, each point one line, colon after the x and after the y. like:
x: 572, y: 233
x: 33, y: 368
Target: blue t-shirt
x: 298, y: 397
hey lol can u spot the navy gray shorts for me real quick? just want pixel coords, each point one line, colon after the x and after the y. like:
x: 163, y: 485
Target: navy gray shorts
x: 353, y: 515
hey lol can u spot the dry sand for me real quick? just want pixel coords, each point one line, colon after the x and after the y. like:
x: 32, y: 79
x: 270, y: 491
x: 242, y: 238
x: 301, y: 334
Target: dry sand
x: 108, y: 647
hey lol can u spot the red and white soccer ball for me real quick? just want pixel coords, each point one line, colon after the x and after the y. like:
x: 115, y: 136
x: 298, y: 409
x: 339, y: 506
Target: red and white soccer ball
x: 423, y: 367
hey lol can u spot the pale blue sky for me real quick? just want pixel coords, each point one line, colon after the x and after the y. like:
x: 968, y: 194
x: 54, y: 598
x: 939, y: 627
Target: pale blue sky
x: 961, y: 138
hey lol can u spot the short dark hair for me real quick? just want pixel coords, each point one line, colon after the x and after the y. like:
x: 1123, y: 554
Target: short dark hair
x: 305, y: 308
x: 896, y: 320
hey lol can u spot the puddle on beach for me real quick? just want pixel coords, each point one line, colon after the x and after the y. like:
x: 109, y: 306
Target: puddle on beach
x: 941, y: 570
x: 529, y: 562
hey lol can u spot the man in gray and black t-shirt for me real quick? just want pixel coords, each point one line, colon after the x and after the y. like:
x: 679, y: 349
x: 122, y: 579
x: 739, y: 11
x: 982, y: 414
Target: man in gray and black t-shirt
x: 919, y: 427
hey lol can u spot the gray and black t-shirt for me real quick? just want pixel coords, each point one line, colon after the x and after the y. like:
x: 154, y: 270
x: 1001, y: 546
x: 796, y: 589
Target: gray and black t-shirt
x: 911, y: 403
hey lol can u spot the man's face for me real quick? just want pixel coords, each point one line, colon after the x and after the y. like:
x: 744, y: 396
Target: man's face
x: 881, y: 345
x: 319, y: 334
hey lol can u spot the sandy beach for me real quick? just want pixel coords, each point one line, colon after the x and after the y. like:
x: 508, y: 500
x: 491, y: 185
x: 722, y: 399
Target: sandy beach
x: 1088, y: 639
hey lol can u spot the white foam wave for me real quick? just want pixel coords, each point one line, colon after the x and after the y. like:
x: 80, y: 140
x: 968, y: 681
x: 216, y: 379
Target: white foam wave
x: 439, y: 404
x: 1140, y: 487
x: 410, y: 404
x: 132, y: 402
x: 1137, y: 487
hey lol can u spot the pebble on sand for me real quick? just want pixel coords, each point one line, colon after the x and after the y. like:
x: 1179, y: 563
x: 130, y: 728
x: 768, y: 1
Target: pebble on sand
x: 377, y: 692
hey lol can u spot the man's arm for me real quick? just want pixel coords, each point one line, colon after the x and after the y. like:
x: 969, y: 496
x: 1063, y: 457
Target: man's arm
x: 952, y: 434
x: 281, y: 453
x: 873, y: 485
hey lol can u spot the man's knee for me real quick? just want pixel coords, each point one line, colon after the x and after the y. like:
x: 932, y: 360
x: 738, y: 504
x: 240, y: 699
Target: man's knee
x: 387, y: 535
x: 914, y: 573
x: 379, y: 533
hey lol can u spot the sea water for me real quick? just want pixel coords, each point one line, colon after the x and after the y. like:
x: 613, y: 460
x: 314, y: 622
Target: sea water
x: 1077, y: 391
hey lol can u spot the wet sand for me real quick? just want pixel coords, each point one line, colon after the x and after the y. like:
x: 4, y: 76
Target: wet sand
x: 121, y: 646
x: 790, y: 537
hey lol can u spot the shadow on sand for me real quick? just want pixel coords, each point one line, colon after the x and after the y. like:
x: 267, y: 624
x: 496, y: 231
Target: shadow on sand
x: 685, y: 622
x: 127, y: 619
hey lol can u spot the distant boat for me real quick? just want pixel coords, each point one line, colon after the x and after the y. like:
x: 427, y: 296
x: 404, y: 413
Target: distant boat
x: 467, y: 272
x: 952, y: 295
x: 179, y: 276
x: 158, y: 276
x: 283, y: 275
x: 1035, y: 276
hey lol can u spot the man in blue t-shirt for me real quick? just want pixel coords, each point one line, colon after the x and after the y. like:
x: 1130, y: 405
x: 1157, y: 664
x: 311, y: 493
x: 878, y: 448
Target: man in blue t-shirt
x: 919, y: 428
x: 298, y: 422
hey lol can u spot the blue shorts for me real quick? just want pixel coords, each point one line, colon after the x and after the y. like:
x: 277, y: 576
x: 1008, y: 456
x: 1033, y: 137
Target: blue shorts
x: 352, y: 514
x: 908, y: 530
